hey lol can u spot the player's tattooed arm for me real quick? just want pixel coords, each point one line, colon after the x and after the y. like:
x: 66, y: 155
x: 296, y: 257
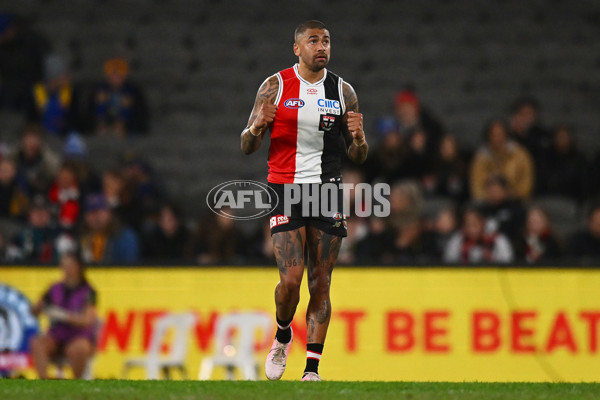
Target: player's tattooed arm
x: 262, y: 116
x: 354, y: 134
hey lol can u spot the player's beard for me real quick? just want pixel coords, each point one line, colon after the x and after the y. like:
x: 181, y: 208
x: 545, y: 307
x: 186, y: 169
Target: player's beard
x: 313, y: 64
x: 318, y: 65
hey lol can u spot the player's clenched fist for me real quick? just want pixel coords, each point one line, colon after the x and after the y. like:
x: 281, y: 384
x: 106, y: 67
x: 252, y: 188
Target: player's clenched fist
x: 355, y: 126
x: 265, y: 116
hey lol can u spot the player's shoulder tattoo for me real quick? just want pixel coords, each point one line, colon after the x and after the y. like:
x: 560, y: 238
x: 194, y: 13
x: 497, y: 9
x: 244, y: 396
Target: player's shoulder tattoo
x: 268, y: 90
x: 350, y: 97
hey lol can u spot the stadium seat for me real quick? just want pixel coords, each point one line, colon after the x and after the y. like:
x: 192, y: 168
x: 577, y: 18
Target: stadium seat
x: 153, y: 362
x: 236, y: 351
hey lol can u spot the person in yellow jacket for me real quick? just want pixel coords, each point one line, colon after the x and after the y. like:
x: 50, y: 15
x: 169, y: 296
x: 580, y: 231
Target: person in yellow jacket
x: 504, y: 157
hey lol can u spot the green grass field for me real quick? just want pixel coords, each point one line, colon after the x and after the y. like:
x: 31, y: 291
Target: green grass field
x: 213, y: 390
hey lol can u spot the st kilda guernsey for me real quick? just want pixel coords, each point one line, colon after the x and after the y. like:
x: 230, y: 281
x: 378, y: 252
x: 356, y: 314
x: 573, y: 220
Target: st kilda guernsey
x: 306, y: 136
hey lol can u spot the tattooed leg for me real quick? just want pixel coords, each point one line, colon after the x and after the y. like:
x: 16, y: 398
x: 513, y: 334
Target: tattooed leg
x: 289, y: 253
x: 323, y: 250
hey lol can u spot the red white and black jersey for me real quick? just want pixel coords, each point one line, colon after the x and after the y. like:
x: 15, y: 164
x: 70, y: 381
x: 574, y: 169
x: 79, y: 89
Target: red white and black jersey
x: 306, y: 137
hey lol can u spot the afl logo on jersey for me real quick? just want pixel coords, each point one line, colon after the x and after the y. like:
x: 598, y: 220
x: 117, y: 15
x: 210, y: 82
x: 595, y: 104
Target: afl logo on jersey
x: 294, y: 104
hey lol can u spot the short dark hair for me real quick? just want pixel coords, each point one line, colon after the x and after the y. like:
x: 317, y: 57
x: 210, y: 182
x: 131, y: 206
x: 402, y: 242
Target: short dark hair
x: 524, y: 101
x: 310, y: 24
x: 487, y: 129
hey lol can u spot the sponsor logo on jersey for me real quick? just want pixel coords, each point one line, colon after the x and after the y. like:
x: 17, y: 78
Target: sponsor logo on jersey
x: 311, y: 91
x: 326, y: 122
x: 294, y: 104
x: 337, y: 216
x: 327, y: 106
x: 278, y: 220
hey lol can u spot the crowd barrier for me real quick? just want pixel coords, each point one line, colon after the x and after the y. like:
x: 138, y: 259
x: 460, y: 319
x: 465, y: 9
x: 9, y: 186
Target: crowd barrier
x: 411, y: 324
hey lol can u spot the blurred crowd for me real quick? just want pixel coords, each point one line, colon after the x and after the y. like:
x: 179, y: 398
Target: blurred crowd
x: 510, y: 200
x: 526, y: 195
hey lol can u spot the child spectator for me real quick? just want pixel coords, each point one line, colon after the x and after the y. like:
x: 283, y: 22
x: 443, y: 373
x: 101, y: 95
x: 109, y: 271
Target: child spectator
x: 119, y: 105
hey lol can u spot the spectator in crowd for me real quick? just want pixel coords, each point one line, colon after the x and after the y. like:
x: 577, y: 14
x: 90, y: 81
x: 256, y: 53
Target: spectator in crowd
x: 218, y: 240
x: 169, y: 239
x: 377, y: 246
x: 13, y: 192
x: 75, y: 153
x: 70, y: 305
x: 449, y: 172
x: 113, y: 188
x: 420, y: 158
x: 104, y: 238
x: 408, y: 244
x: 438, y: 233
x: 563, y: 168
x: 119, y: 105
x: 406, y: 202
x: 474, y: 245
x: 387, y: 163
x: 410, y: 115
x: 22, y: 53
x: 538, y: 244
x: 584, y: 245
x: 142, y: 193
x: 37, y: 242
x: 53, y: 102
x: 35, y: 161
x: 396, y: 239
x: 525, y: 127
x: 504, y: 157
x: 65, y: 194
x: 503, y: 213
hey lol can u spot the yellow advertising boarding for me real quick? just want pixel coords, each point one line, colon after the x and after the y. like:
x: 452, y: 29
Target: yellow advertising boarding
x: 410, y: 324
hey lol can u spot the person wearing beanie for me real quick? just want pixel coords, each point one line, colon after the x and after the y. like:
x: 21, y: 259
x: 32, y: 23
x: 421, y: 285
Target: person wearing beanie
x: 118, y: 104
x: 53, y: 101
